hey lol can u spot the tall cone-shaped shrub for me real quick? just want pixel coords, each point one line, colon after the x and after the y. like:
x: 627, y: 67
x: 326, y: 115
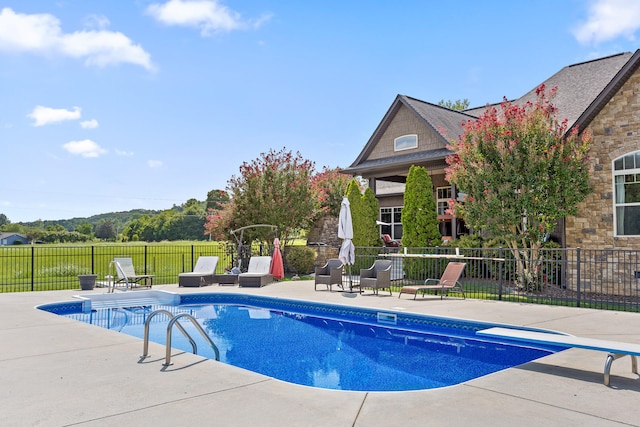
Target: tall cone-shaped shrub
x: 419, y: 222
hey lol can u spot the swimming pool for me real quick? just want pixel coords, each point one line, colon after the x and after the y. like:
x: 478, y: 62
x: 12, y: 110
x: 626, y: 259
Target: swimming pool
x: 319, y: 345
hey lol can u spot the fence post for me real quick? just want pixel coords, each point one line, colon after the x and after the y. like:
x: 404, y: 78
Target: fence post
x: 145, y: 259
x: 33, y: 268
x: 93, y: 260
x: 578, y: 274
x: 500, y: 274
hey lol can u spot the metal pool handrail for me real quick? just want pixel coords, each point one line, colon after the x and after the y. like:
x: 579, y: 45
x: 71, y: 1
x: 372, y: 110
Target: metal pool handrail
x: 174, y: 321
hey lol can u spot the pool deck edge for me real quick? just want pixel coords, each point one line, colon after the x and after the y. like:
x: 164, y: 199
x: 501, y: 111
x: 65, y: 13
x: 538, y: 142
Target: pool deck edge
x: 59, y: 372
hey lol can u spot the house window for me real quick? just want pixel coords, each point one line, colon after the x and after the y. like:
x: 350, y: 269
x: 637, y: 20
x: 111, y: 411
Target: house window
x: 626, y: 187
x: 392, y: 222
x: 443, y: 197
x: 405, y: 142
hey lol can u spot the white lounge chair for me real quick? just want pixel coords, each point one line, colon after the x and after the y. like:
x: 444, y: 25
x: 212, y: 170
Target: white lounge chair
x: 127, y: 275
x: 203, y: 273
x: 257, y: 274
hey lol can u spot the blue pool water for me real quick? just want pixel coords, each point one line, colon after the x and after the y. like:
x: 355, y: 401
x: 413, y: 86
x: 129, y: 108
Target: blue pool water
x: 319, y: 345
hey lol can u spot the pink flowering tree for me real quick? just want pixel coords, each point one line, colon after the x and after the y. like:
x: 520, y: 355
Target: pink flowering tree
x: 329, y: 187
x: 521, y: 171
x: 273, y: 189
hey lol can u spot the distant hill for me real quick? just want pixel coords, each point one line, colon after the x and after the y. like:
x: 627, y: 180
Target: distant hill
x: 120, y: 218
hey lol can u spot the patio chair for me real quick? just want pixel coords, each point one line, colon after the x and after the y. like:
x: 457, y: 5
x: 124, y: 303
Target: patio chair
x: 257, y: 274
x: 378, y: 276
x: 203, y: 273
x: 127, y: 274
x: 389, y: 242
x: 329, y: 274
x: 449, y: 281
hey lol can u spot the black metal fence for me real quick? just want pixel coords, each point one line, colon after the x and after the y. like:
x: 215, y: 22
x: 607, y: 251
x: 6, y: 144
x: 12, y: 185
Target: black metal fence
x: 44, y: 267
x: 604, y: 279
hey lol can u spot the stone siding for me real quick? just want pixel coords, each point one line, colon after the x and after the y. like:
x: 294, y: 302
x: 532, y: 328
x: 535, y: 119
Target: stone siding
x: 325, y: 231
x: 616, y: 131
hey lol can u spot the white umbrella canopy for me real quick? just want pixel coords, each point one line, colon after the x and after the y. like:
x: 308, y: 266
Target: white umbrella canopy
x: 347, y: 252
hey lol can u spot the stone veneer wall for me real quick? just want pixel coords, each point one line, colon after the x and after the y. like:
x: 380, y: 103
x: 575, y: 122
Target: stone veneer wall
x: 325, y: 231
x: 616, y: 131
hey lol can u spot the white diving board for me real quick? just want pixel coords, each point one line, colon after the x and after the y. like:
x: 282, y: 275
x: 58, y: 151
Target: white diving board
x: 616, y: 349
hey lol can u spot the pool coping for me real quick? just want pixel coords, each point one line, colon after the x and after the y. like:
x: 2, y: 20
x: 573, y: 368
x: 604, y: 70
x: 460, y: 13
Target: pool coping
x: 49, y: 359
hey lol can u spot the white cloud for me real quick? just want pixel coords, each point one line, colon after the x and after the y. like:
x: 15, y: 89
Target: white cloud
x: 84, y: 148
x: 89, y: 124
x: 154, y: 163
x: 124, y: 153
x: 45, y: 115
x: 609, y: 19
x: 41, y: 34
x: 207, y: 15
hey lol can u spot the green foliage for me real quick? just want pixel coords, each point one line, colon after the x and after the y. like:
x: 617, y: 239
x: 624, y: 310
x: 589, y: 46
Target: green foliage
x: 106, y: 230
x: 370, y: 210
x: 521, y: 172
x: 4, y: 220
x: 216, y: 199
x: 85, y: 228
x: 300, y: 259
x: 71, y: 224
x: 419, y: 222
x: 419, y: 215
x: 168, y: 225
x: 458, y: 104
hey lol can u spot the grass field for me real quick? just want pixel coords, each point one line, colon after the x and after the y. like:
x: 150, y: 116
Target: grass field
x: 53, y: 267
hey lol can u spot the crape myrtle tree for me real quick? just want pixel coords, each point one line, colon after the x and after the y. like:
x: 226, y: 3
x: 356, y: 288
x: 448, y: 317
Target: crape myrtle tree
x: 329, y: 187
x: 419, y: 221
x: 273, y: 189
x: 521, y: 171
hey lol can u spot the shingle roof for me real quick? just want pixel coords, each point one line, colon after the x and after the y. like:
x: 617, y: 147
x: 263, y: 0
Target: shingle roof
x: 580, y: 84
x: 443, y: 120
x: 583, y: 90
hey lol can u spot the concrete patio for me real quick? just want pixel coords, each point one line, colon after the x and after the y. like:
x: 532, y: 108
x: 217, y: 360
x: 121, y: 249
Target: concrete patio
x: 59, y: 372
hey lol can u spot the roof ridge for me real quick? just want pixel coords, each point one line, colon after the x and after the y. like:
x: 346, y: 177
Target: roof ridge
x: 597, y: 59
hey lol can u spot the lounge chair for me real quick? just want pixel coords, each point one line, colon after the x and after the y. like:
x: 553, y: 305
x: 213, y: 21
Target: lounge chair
x: 127, y: 274
x: 378, y: 276
x: 449, y: 281
x: 257, y: 274
x: 329, y: 274
x: 389, y: 242
x: 203, y: 273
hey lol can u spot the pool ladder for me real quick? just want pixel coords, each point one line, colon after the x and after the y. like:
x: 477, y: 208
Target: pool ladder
x: 174, y: 321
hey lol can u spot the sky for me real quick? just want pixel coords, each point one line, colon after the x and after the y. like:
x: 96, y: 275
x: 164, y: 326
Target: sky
x: 112, y: 105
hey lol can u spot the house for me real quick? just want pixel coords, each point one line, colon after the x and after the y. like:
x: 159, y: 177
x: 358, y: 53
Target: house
x: 11, y: 238
x: 602, y: 95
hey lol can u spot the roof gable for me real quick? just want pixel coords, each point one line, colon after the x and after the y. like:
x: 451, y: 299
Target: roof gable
x: 445, y: 124
x: 584, y: 89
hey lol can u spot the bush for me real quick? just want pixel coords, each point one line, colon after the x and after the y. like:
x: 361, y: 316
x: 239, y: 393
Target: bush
x: 300, y: 259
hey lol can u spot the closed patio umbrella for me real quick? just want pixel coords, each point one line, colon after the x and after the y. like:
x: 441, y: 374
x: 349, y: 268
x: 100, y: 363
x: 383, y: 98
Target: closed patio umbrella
x: 277, y: 266
x: 347, y: 252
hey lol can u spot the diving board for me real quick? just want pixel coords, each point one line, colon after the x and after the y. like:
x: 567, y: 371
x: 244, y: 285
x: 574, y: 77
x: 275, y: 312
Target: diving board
x: 616, y: 349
